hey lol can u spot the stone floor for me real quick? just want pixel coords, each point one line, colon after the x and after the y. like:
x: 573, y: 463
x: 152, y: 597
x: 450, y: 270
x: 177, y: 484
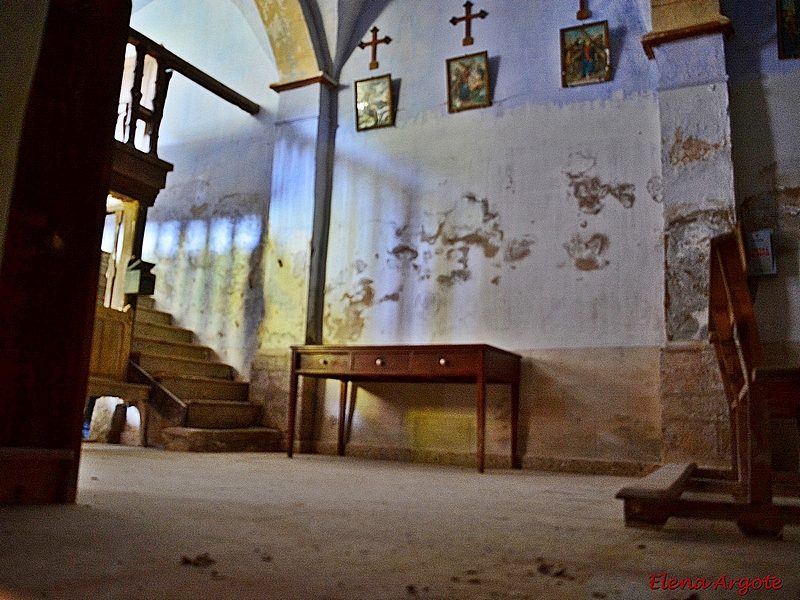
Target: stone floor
x: 159, y: 525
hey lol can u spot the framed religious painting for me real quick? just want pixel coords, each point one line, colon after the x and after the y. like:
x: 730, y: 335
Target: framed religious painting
x: 788, y: 28
x: 468, y: 82
x: 585, y: 57
x: 374, y: 103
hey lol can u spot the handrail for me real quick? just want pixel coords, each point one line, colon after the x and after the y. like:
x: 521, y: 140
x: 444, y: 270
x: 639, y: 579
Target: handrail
x: 176, y: 63
x: 167, y: 404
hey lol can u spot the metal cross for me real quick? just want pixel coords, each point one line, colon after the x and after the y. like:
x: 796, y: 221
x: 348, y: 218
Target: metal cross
x: 467, y: 18
x: 374, y: 43
x: 584, y: 12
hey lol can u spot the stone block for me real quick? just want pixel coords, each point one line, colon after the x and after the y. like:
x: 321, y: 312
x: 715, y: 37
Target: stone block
x: 697, y: 440
x: 102, y: 417
x: 690, y: 370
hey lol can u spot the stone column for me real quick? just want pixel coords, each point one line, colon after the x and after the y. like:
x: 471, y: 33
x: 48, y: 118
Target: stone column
x: 295, y: 247
x: 697, y: 170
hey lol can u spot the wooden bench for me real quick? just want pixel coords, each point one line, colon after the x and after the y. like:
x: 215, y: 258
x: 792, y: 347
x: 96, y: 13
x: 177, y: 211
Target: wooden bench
x: 744, y: 493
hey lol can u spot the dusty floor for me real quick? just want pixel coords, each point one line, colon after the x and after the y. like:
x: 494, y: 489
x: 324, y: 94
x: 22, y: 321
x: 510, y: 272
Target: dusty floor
x: 151, y: 524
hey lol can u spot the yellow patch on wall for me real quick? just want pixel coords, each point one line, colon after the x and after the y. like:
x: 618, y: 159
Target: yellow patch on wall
x: 432, y: 428
x: 289, y: 37
x: 676, y: 14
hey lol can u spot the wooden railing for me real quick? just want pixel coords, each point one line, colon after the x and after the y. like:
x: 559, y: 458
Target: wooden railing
x: 135, y: 115
x: 167, y: 404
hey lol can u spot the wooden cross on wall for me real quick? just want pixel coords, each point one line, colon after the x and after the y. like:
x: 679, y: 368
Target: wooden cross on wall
x: 374, y: 43
x: 583, y: 11
x: 467, y: 18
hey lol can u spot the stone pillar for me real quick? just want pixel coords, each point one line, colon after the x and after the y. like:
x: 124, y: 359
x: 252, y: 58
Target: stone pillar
x: 697, y: 171
x: 295, y: 248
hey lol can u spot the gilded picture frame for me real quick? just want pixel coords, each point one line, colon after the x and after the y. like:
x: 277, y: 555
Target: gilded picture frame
x: 374, y: 103
x: 468, y: 82
x: 788, y: 29
x: 585, y: 55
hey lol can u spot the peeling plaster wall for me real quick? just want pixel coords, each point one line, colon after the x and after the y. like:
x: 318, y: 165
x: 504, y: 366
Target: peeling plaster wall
x: 764, y: 108
x: 698, y: 203
x: 534, y: 225
x: 542, y: 244
x: 207, y: 228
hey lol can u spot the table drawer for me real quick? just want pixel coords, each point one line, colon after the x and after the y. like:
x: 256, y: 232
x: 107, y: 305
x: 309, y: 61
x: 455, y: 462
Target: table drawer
x: 330, y: 361
x: 377, y: 362
x: 446, y: 363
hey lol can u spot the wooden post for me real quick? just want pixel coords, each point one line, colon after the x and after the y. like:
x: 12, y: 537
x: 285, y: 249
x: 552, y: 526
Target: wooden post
x: 49, y: 275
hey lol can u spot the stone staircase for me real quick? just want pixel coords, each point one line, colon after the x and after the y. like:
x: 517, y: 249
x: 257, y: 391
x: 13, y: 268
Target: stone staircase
x: 218, y: 414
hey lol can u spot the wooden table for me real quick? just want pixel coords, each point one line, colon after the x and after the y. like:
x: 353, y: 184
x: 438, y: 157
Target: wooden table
x: 462, y: 363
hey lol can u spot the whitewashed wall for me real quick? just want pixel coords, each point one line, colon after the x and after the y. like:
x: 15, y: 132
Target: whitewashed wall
x: 529, y: 224
x: 522, y: 229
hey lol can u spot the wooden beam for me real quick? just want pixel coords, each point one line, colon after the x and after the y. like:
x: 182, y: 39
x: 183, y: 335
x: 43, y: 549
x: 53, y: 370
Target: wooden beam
x: 321, y: 77
x: 658, y: 38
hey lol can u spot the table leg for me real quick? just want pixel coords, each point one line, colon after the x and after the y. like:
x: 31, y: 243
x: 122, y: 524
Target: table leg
x: 342, y: 408
x: 481, y: 415
x: 292, y: 411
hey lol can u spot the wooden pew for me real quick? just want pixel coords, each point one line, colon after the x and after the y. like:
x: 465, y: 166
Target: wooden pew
x: 745, y: 493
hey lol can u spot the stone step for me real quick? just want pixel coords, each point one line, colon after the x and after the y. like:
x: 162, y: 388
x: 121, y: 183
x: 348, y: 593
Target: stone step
x: 168, y: 333
x: 157, y: 364
x: 203, y: 388
x: 151, y: 315
x: 149, y: 345
x: 216, y: 414
x: 145, y: 302
x: 251, y: 439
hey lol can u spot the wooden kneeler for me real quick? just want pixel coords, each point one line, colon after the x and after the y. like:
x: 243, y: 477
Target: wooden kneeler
x: 744, y: 493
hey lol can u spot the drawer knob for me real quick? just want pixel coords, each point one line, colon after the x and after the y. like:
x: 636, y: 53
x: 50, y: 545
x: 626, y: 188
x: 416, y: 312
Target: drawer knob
x: 443, y: 361
x: 380, y: 362
x: 323, y: 361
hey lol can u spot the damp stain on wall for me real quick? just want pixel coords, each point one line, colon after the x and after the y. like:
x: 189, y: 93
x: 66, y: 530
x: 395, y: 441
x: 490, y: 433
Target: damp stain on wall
x: 686, y: 150
x: 454, y: 277
x: 590, y: 190
x: 517, y: 249
x: 439, y: 250
x: 444, y: 245
x: 655, y: 187
x: 587, y: 251
x: 199, y: 209
x: 347, y: 324
x: 460, y: 226
x: 404, y: 252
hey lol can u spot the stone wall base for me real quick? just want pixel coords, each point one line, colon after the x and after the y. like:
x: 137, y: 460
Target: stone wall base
x: 695, y: 422
x: 493, y: 461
